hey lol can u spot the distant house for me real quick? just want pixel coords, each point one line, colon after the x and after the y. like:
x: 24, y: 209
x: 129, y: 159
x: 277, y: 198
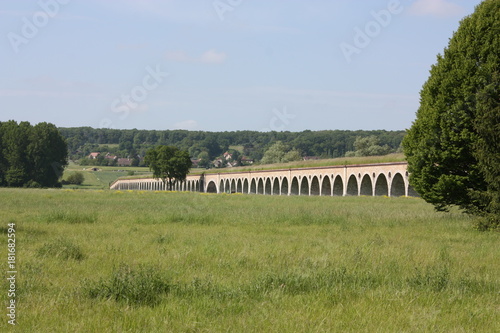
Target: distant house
x: 246, y: 160
x: 124, y: 162
x: 228, y: 156
x: 217, y: 163
x: 93, y: 156
x: 309, y: 158
x: 110, y: 157
x: 195, y: 162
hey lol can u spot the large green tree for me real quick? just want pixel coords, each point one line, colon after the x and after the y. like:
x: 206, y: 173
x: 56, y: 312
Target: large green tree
x: 48, y: 153
x: 369, y: 146
x: 15, y: 139
x: 280, y: 153
x: 453, y: 145
x: 33, y: 156
x: 168, y: 163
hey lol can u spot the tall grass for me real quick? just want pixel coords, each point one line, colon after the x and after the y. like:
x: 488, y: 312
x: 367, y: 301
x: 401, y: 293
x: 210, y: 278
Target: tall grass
x: 187, y: 262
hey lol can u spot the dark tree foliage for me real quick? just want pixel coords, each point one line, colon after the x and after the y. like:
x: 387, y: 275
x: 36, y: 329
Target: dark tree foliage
x: 47, y: 151
x: 169, y: 164
x: 326, y: 144
x: 453, y: 145
x: 487, y: 151
x: 15, y: 139
x: 31, y: 156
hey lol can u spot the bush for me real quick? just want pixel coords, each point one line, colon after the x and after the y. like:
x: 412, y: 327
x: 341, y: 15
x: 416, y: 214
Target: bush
x: 141, y: 286
x: 62, y: 249
x: 487, y: 222
x: 32, y: 184
x: 71, y: 217
x: 76, y: 178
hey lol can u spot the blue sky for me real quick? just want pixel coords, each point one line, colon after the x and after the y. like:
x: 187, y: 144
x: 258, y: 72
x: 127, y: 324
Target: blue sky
x: 221, y: 65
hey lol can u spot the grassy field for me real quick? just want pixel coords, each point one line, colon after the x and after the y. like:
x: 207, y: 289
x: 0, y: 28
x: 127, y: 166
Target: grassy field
x: 112, y: 261
x: 102, y: 178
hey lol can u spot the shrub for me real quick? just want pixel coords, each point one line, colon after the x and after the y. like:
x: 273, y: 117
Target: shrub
x: 32, y: 184
x: 69, y: 217
x: 62, y: 249
x: 76, y: 178
x: 140, y: 286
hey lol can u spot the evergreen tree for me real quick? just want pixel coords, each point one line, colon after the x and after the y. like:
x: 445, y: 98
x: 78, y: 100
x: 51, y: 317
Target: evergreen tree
x: 450, y: 143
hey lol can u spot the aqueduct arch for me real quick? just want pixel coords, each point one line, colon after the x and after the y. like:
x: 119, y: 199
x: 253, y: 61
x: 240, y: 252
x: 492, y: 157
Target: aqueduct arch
x: 383, y: 179
x: 315, y: 190
x: 398, y: 186
x: 294, y: 187
x: 284, y: 186
x: 366, y: 187
x: 352, y: 186
x: 381, y: 187
x: 211, y: 187
x: 304, y: 186
x: 326, y: 188
x: 338, y: 186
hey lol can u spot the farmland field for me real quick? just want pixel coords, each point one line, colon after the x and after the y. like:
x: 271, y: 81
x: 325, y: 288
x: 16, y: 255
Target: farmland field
x: 103, y: 177
x: 135, y: 261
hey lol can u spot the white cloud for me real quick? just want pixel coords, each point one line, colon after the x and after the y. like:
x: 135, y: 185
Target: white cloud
x: 439, y: 8
x: 207, y: 57
x: 213, y: 57
x: 186, y: 125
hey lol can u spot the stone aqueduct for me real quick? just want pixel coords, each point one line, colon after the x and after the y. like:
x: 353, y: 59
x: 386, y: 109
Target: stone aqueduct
x: 382, y: 179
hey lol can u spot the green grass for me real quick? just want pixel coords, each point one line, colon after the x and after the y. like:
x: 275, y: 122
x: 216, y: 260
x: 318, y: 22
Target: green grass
x: 136, y: 261
x: 102, y: 178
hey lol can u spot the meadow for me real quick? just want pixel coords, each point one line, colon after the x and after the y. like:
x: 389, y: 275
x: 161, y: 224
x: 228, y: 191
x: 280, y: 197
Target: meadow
x: 136, y: 261
x: 99, y: 180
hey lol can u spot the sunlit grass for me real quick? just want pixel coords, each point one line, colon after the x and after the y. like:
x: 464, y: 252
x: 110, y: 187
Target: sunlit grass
x: 142, y: 261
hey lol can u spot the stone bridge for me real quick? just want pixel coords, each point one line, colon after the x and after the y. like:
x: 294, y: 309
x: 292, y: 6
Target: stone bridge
x: 389, y: 179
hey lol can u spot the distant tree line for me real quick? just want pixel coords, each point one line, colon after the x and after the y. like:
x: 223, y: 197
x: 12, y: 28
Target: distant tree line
x: 31, y: 156
x: 207, y: 146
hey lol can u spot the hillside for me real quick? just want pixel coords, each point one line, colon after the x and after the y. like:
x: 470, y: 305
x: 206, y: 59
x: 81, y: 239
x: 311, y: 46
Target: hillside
x: 207, y: 146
